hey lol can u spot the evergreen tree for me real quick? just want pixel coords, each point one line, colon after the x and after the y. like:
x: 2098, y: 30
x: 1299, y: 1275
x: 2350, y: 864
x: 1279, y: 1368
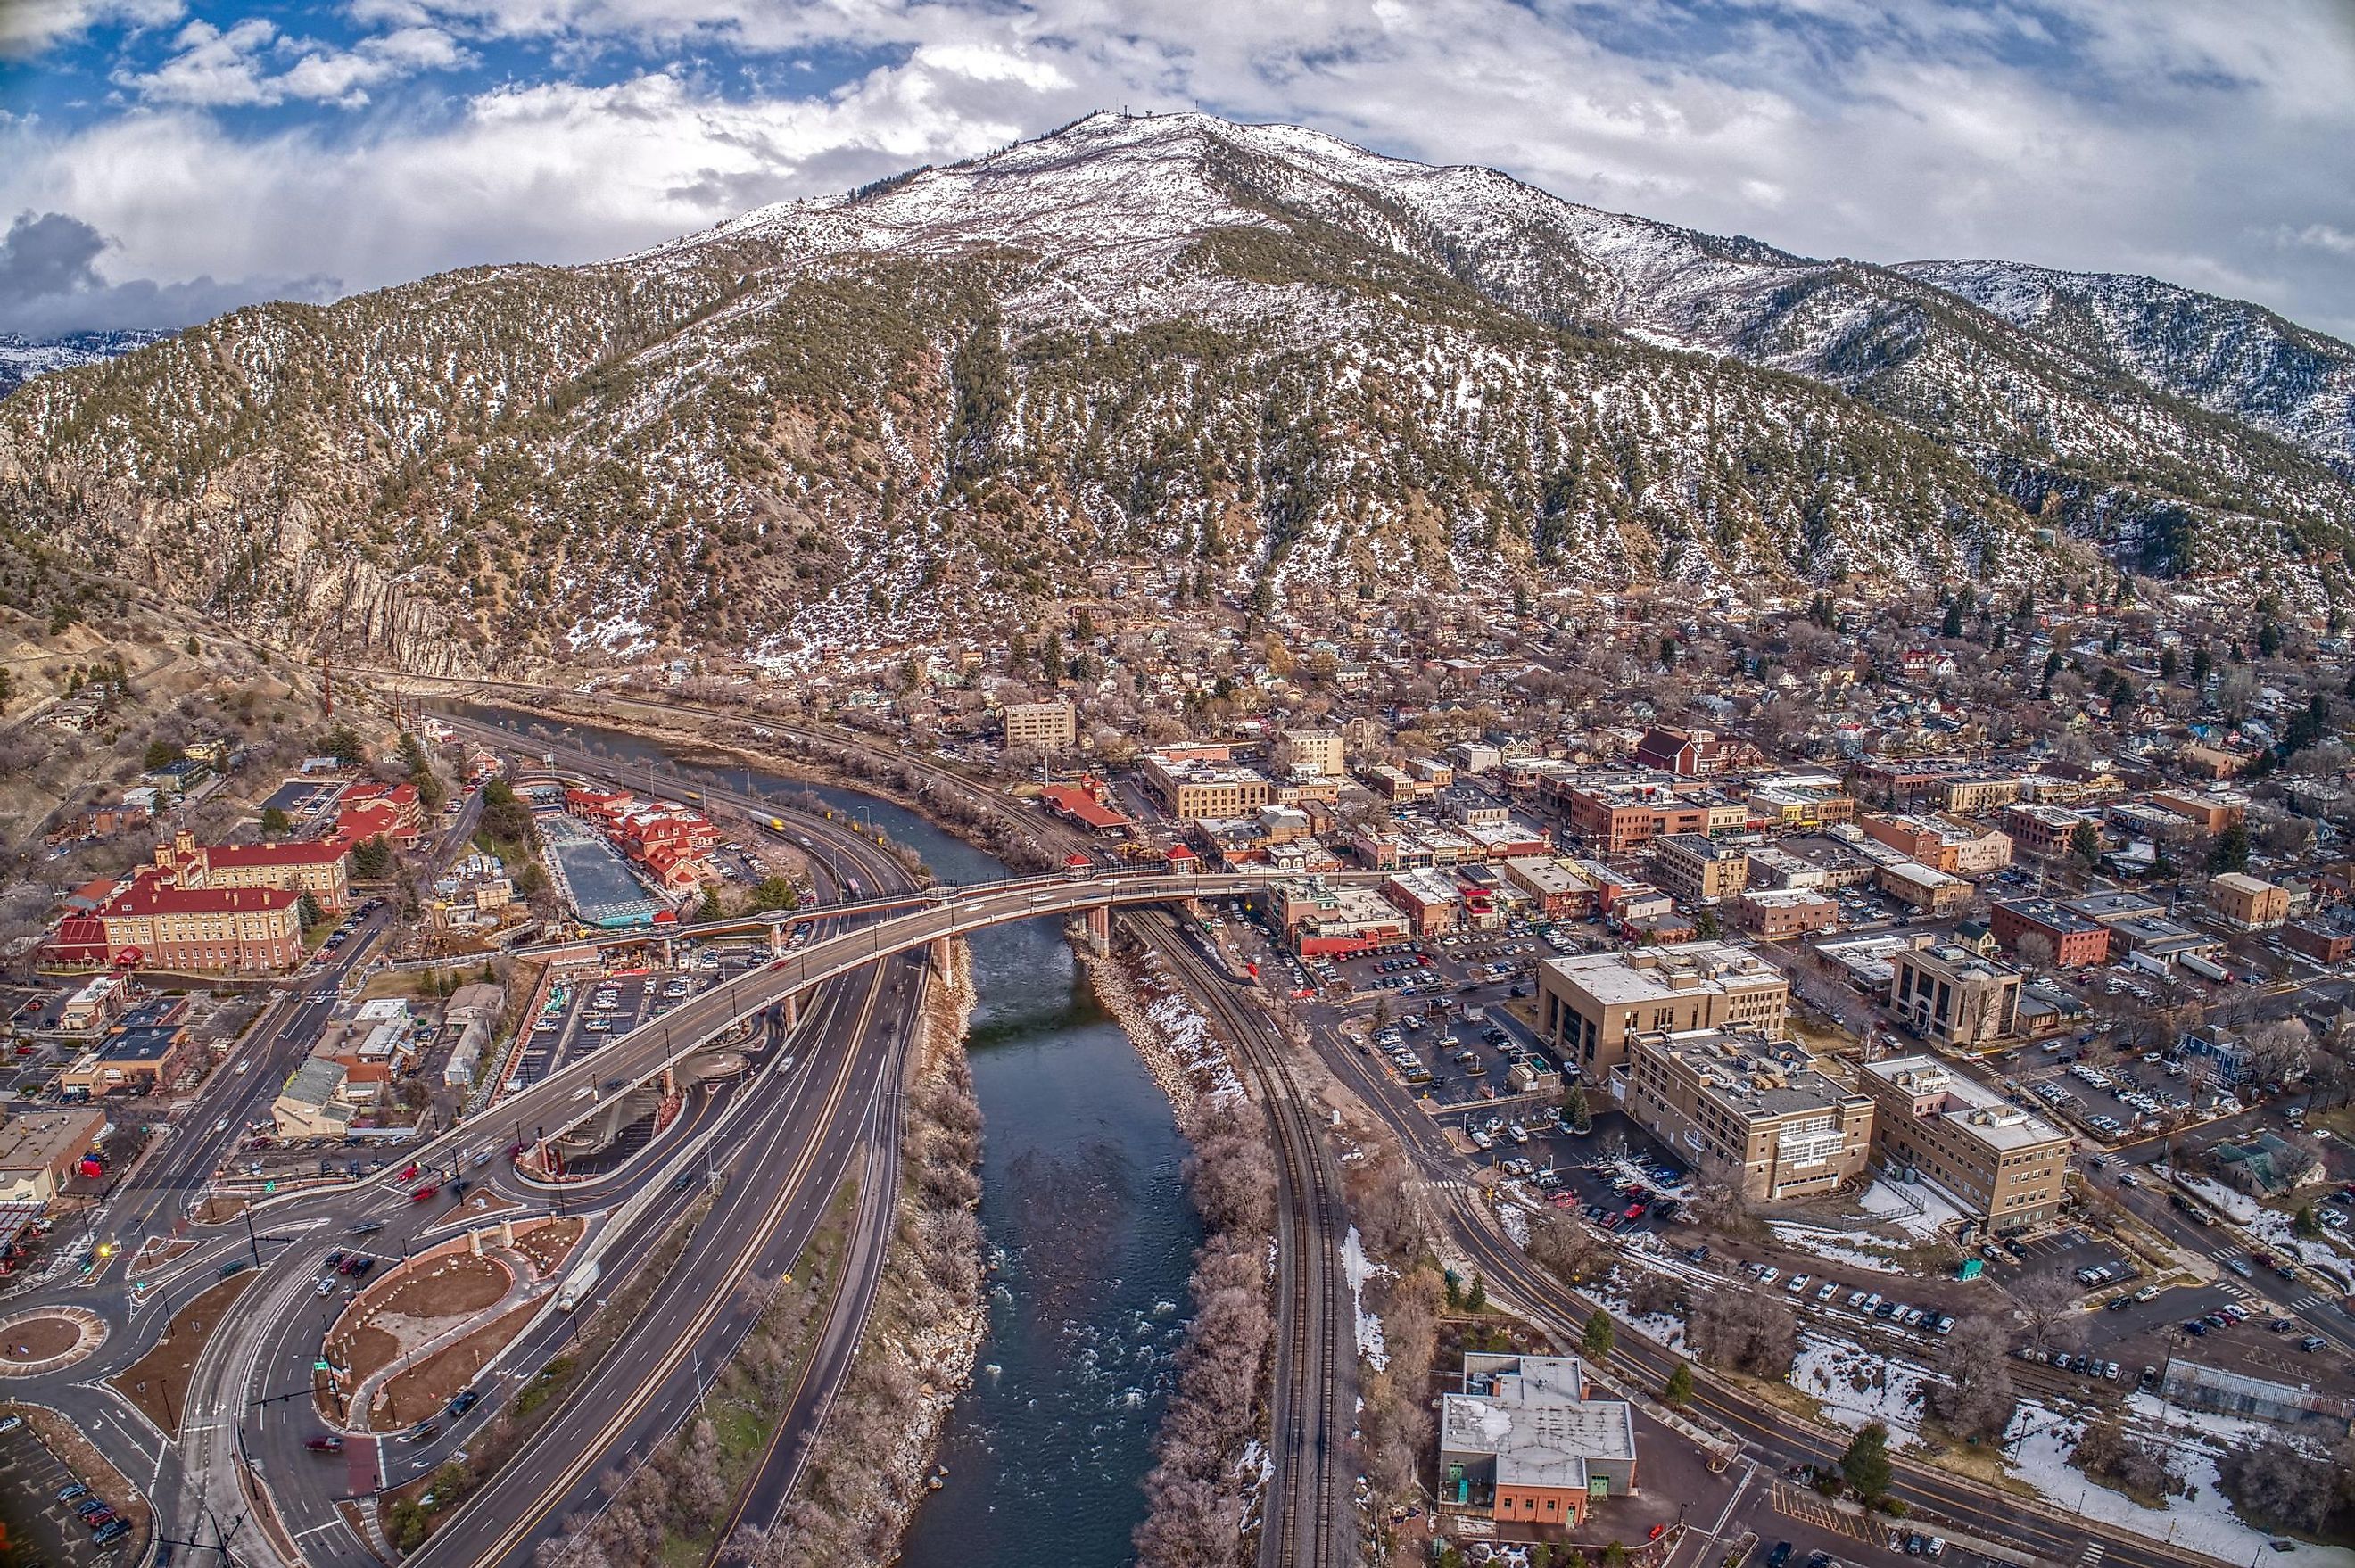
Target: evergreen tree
x: 1866, y: 1465
x: 2085, y: 843
x: 1680, y: 1388
x: 2200, y: 664
x: 1953, y: 626
x: 2231, y: 850
x: 1476, y: 1298
x: 1597, y: 1338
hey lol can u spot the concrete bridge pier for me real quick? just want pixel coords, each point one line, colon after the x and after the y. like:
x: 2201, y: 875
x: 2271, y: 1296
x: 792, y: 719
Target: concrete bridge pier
x: 792, y: 1009
x: 776, y: 939
x: 666, y: 953
x: 1100, y: 930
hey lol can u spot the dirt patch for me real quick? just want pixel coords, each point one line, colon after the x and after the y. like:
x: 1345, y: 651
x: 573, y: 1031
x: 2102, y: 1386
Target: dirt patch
x: 367, y: 1349
x: 38, y: 1338
x: 548, y: 1245
x: 424, y: 1389
x: 157, y: 1383
x: 446, y: 1287
x: 483, y: 1203
x: 219, y: 1209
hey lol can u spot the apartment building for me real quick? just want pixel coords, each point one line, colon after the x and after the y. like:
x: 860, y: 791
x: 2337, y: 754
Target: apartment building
x: 2002, y: 1165
x: 1758, y: 1109
x: 2209, y: 810
x: 2042, y: 830
x: 1777, y: 914
x: 2249, y: 903
x: 2074, y: 939
x: 1050, y: 726
x: 1589, y: 1005
x: 1949, y: 994
x: 1317, y: 753
x: 1189, y: 789
x: 1957, y: 848
x: 1524, y: 1450
x: 1696, y: 868
x: 1624, y: 813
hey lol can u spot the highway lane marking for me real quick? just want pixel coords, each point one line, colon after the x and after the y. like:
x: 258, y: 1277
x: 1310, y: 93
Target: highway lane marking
x: 787, y: 1194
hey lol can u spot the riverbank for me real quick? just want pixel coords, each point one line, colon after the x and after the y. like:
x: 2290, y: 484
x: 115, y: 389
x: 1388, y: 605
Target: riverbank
x: 1204, y: 1494
x: 877, y: 1446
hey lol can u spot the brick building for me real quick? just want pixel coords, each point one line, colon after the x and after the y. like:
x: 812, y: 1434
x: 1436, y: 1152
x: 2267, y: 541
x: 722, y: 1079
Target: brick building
x: 1589, y: 1006
x: 2075, y: 941
x: 2003, y: 1166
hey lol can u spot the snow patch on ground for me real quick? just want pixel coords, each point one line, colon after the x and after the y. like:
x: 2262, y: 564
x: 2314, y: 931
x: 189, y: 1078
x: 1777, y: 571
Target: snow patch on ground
x: 1516, y: 1222
x: 1836, y: 1246
x: 1918, y: 1208
x: 1857, y: 1386
x: 2203, y: 1521
x: 1189, y: 1035
x: 1360, y: 1268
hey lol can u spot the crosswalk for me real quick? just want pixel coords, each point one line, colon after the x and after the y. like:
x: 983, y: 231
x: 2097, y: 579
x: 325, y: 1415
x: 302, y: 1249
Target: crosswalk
x: 2093, y: 1555
x: 1810, y: 1507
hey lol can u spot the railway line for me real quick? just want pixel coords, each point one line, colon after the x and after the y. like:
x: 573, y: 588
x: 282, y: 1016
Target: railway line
x: 1302, y: 1526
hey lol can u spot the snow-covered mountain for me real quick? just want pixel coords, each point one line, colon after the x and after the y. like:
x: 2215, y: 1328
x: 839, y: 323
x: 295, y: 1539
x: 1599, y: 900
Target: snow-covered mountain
x: 22, y: 358
x: 1177, y: 353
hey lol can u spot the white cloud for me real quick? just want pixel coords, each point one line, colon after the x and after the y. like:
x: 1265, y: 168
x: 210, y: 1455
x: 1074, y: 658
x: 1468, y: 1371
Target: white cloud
x: 30, y: 27
x: 217, y: 69
x: 2087, y: 134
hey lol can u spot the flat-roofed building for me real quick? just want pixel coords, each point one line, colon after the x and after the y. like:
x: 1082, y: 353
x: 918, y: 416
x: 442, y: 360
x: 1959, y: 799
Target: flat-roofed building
x: 1190, y: 789
x: 1970, y: 794
x: 2003, y: 1166
x: 1316, y: 752
x: 2074, y: 939
x: 1924, y: 888
x: 1957, y: 848
x: 1758, y: 1109
x: 39, y: 1148
x: 1525, y: 1450
x: 2210, y: 810
x: 1698, y: 868
x: 1428, y: 895
x: 1050, y: 726
x: 2042, y: 830
x: 1949, y: 994
x: 1589, y: 1005
x: 2249, y: 903
x: 1777, y: 914
x: 1557, y: 887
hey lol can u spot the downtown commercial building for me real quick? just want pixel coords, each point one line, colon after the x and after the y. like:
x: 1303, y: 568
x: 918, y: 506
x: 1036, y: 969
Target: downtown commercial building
x: 1590, y: 1005
x: 1756, y: 1109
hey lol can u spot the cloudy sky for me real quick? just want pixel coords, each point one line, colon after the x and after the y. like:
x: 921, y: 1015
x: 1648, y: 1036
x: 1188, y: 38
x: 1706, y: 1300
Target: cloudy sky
x: 163, y: 160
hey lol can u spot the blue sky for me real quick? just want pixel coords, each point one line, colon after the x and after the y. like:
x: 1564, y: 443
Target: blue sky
x: 162, y: 160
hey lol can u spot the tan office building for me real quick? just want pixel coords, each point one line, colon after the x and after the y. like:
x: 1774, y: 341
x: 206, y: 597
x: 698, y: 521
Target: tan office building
x: 2003, y: 1166
x: 1741, y: 1103
x: 1050, y: 725
x: 1193, y: 790
x: 2247, y: 901
x: 1953, y: 996
x: 1696, y: 868
x: 1589, y: 1006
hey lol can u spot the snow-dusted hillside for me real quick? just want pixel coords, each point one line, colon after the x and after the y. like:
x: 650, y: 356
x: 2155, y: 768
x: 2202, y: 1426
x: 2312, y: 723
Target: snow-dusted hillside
x: 1248, y: 359
x: 22, y: 358
x: 2228, y: 357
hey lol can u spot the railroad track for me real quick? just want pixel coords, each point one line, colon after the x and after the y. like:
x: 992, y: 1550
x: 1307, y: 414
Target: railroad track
x: 1303, y: 1528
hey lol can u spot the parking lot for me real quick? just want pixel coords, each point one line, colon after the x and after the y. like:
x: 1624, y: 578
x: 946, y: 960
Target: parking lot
x: 2120, y: 1097
x: 40, y: 1527
x: 2070, y: 1255
x: 587, y: 1012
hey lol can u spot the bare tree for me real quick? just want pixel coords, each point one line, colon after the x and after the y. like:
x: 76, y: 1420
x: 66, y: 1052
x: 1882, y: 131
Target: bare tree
x: 1977, y: 1398
x: 1745, y: 1331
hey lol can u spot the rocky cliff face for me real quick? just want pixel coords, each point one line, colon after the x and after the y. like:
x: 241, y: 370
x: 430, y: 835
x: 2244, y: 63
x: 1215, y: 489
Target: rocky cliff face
x: 1203, y: 356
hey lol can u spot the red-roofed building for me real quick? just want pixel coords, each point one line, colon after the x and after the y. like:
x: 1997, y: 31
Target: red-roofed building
x: 1084, y: 803
x: 156, y: 924
x: 314, y: 867
x: 607, y: 806
x: 390, y: 812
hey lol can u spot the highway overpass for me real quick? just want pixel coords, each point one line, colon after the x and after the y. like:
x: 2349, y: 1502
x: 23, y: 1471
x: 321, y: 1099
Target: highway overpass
x: 947, y: 909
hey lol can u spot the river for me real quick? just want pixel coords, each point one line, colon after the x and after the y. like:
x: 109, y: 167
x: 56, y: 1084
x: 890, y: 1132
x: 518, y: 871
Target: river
x: 1090, y: 1236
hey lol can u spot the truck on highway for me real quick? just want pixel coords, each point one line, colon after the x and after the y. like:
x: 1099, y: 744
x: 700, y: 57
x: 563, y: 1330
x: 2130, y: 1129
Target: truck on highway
x: 577, y: 1287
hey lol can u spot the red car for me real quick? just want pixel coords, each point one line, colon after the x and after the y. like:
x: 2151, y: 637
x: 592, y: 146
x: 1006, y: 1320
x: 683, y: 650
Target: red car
x: 1634, y: 1212
x: 423, y: 1193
